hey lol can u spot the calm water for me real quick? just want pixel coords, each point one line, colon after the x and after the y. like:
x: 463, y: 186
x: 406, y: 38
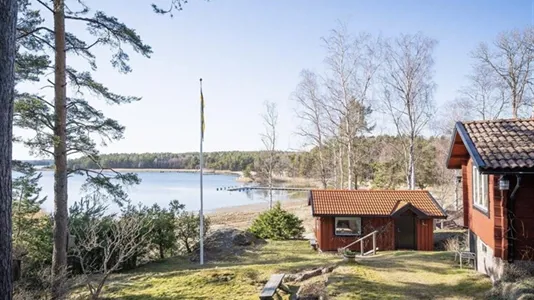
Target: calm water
x: 161, y: 188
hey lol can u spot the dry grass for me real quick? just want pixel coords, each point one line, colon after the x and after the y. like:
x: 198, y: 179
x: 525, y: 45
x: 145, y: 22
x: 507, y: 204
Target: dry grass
x: 407, y: 275
x: 391, y: 275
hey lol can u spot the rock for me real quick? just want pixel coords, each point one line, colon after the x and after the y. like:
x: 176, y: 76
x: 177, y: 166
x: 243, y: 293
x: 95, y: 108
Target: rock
x: 309, y: 274
x: 225, y: 244
x: 328, y: 269
x: 312, y: 291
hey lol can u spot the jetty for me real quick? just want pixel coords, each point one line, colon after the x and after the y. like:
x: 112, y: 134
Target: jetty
x: 264, y: 188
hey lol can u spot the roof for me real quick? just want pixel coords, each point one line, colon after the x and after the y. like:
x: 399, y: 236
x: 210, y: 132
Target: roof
x: 373, y: 202
x: 494, y: 145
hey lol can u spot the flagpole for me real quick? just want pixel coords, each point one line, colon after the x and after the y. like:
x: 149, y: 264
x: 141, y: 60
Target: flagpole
x: 201, y: 175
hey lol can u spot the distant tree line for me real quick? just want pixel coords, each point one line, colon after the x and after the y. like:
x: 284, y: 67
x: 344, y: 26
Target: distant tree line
x: 383, y: 166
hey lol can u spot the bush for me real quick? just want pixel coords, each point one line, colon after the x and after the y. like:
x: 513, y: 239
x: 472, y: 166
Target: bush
x: 277, y: 224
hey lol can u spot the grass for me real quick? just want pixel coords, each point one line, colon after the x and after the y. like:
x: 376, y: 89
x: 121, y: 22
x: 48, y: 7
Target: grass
x: 407, y: 275
x: 391, y: 275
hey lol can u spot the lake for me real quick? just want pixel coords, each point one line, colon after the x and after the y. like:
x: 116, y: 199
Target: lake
x: 162, y: 187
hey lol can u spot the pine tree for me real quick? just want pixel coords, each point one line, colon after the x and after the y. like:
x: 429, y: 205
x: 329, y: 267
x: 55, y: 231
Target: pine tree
x: 68, y: 125
x: 31, y: 228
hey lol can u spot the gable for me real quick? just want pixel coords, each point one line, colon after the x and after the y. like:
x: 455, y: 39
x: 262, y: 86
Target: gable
x: 495, y: 145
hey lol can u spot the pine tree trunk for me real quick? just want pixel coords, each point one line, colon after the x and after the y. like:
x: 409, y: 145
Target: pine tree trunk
x: 8, y: 21
x: 59, y: 258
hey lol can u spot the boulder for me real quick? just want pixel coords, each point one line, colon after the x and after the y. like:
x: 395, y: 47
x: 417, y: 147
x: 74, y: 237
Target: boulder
x: 226, y: 244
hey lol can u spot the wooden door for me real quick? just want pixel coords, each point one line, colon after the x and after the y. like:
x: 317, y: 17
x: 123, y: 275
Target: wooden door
x: 405, y: 232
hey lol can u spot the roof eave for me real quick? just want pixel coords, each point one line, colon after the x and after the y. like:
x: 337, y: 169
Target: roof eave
x: 449, y: 155
x: 470, y: 146
x: 503, y: 171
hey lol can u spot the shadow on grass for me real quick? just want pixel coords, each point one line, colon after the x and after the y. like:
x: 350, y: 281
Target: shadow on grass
x: 411, y: 261
x: 151, y: 297
x: 360, y: 286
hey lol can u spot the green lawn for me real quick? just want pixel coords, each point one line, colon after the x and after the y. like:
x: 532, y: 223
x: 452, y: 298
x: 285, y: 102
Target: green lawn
x: 390, y: 275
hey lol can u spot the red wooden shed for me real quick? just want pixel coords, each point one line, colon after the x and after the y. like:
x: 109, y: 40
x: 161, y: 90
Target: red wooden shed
x: 404, y: 219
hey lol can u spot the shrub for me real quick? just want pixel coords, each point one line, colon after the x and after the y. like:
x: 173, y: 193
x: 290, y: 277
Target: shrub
x: 277, y: 224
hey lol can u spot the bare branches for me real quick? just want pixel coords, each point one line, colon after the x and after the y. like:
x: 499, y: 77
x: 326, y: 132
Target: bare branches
x: 268, y: 138
x: 408, y: 89
x: 352, y: 64
x: 117, y: 240
x: 510, y: 60
x: 312, y: 114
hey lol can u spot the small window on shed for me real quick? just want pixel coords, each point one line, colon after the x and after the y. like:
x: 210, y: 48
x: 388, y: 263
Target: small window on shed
x: 348, y: 226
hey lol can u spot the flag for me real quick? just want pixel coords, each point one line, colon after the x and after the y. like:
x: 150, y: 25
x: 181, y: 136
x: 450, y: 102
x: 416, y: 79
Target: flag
x: 202, y: 124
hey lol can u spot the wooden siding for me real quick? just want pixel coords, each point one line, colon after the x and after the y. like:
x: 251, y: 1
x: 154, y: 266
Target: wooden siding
x: 524, y: 218
x: 425, y: 234
x: 481, y: 224
x: 327, y: 241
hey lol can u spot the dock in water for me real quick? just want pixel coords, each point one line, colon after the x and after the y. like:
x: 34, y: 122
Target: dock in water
x: 265, y: 188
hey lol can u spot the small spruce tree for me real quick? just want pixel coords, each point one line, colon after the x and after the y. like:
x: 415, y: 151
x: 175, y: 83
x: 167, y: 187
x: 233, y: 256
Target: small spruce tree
x: 277, y: 224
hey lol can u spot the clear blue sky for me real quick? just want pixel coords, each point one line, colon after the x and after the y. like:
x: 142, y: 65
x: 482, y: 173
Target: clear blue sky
x: 249, y: 51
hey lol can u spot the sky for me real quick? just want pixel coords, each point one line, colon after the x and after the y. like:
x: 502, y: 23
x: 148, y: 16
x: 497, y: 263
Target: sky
x: 251, y: 51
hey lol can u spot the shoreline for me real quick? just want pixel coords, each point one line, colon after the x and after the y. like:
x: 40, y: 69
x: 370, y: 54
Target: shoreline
x: 288, y: 181
x: 155, y: 170
x: 241, y: 216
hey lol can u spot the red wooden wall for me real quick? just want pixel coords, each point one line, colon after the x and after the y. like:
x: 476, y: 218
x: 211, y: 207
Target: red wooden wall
x: 385, y: 240
x: 524, y: 218
x: 424, y: 235
x: 492, y: 229
x: 489, y: 227
x: 327, y: 241
x: 478, y: 222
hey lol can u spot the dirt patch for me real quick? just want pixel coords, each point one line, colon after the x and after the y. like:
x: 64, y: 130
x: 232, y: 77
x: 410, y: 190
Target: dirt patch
x: 226, y: 244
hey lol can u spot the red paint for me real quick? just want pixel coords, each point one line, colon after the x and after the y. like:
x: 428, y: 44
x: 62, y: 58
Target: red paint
x: 385, y: 240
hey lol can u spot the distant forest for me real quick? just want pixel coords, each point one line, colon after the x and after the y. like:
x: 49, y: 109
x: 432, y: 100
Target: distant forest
x: 382, y: 164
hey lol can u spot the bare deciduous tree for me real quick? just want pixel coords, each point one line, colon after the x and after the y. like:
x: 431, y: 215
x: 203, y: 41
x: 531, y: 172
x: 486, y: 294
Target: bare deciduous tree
x: 408, y: 89
x: 312, y: 114
x: 268, y: 138
x: 510, y: 58
x: 484, y: 97
x: 352, y: 64
x: 118, y: 245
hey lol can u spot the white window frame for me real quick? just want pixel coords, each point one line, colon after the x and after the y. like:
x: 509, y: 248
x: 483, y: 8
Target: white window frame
x: 358, y: 221
x: 480, y: 184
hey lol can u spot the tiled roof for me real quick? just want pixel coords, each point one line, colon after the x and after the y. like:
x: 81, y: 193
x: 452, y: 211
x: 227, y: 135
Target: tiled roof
x: 371, y: 202
x: 503, y: 144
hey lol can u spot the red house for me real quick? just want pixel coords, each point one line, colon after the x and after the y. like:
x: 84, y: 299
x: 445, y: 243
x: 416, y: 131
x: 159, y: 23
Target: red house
x: 403, y: 219
x: 497, y: 162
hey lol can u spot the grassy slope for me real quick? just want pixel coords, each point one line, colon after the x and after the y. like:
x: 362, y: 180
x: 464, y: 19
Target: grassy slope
x: 407, y: 275
x: 393, y: 275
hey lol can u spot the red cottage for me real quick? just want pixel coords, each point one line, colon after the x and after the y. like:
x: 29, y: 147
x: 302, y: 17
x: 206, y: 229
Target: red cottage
x: 403, y: 219
x: 497, y: 162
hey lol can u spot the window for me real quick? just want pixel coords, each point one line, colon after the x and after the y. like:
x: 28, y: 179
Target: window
x: 348, y: 226
x: 480, y: 190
